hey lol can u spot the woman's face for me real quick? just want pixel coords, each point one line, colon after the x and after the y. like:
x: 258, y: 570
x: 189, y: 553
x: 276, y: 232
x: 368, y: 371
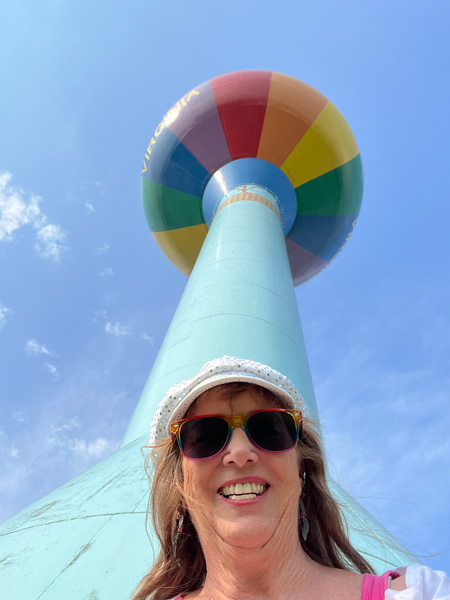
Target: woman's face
x: 215, y: 510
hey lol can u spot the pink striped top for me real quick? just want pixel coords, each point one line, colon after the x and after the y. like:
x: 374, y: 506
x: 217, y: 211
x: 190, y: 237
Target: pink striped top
x: 373, y: 587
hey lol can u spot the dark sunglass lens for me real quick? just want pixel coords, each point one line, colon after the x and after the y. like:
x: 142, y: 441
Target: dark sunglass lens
x: 273, y: 430
x: 203, y: 437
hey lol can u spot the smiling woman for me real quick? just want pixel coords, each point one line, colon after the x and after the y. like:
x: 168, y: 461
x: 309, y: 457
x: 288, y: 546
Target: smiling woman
x: 240, y: 500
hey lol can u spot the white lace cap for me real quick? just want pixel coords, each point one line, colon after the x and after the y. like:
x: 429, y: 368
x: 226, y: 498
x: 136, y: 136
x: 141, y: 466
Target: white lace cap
x: 222, y: 370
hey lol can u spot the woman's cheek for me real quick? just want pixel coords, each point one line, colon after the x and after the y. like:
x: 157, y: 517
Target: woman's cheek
x: 196, y: 498
x: 189, y: 486
x: 194, y: 485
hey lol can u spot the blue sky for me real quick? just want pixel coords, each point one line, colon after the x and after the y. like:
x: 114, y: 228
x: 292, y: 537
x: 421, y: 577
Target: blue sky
x: 86, y: 296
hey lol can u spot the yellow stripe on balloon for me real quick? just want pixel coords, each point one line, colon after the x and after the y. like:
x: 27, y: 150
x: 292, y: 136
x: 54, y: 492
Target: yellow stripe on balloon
x: 328, y: 144
x: 182, y: 246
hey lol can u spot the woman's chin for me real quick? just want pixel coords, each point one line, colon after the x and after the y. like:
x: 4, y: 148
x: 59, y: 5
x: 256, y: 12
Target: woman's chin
x: 246, y: 535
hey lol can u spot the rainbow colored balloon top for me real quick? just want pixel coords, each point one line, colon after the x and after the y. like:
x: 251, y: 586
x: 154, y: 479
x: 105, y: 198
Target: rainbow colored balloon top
x: 254, y: 127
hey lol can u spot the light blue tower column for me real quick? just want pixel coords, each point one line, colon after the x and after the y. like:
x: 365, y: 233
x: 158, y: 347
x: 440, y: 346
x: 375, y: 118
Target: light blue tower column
x: 239, y: 301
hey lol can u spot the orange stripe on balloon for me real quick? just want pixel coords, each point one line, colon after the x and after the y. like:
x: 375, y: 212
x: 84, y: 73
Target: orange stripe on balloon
x: 292, y: 107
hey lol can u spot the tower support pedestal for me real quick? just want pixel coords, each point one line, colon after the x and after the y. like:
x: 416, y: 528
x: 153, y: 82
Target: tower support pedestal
x: 239, y: 301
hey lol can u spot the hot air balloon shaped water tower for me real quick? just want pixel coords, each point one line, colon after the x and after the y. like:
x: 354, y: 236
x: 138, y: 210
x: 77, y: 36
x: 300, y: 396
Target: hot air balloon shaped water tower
x: 252, y: 184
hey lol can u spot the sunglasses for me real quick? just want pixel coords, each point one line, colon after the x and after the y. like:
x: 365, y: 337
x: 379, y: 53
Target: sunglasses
x: 271, y: 429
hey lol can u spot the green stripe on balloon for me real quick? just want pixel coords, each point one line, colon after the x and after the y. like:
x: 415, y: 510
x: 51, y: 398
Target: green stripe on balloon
x: 166, y: 208
x: 336, y: 193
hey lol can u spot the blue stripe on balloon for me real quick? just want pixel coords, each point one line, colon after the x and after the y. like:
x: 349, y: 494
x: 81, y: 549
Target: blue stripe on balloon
x: 321, y: 235
x: 172, y: 165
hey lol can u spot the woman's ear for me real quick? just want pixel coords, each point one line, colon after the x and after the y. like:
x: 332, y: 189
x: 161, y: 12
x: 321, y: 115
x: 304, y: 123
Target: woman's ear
x: 302, y: 469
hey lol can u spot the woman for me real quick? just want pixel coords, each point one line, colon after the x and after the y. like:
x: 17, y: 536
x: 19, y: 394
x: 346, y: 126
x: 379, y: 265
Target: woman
x: 241, y: 504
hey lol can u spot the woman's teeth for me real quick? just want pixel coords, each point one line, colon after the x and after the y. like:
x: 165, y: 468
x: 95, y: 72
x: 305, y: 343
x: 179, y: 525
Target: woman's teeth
x: 243, y: 491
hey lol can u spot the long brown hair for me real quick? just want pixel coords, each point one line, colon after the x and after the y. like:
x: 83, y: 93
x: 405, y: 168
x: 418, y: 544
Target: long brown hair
x: 171, y: 575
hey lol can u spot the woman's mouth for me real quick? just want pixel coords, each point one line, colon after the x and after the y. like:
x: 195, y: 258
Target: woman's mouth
x: 243, y: 491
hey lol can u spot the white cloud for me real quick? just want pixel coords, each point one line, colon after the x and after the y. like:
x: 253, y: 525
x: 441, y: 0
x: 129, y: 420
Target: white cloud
x: 53, y: 370
x: 16, y: 211
x: 99, y: 314
x: 74, y: 423
x: 106, y: 273
x: 33, y: 348
x: 19, y: 415
x: 50, y: 242
x: 90, y: 208
x: 3, y: 313
x: 103, y: 249
x: 93, y: 450
x: 116, y: 329
x: 148, y: 338
x: 88, y: 184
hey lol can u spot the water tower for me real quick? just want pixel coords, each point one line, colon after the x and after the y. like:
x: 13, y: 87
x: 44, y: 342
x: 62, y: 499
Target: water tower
x: 252, y: 184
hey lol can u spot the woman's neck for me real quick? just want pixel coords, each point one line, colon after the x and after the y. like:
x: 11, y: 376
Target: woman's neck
x: 279, y: 569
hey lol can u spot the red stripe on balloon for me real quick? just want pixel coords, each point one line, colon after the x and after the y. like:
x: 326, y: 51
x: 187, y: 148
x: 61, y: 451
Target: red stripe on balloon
x: 241, y: 100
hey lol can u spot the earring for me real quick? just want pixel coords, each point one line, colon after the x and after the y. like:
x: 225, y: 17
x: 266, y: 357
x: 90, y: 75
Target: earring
x: 304, y: 523
x: 177, y: 537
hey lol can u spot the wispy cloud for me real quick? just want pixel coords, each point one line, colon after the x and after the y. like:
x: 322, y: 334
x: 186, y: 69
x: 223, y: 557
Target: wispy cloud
x: 89, y: 184
x: 53, y: 370
x: 97, y: 449
x: 116, y: 329
x: 16, y: 211
x: 103, y: 249
x: 90, y: 208
x: 33, y: 348
x: 20, y: 416
x: 3, y: 312
x: 99, y: 314
x: 73, y: 450
x: 106, y: 273
x: 74, y: 423
x: 148, y: 338
x: 50, y: 243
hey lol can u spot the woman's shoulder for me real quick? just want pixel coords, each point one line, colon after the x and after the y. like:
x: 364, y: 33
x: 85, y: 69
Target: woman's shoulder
x: 418, y: 582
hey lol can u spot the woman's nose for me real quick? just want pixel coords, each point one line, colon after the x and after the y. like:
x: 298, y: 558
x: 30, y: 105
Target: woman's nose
x: 240, y: 450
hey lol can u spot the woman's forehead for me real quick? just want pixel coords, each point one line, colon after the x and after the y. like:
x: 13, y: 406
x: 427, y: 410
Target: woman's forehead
x: 220, y: 400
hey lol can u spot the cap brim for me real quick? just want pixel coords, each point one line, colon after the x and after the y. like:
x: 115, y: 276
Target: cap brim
x: 222, y: 378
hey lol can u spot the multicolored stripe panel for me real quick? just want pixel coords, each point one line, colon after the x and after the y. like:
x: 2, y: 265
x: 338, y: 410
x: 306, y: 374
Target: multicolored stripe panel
x: 259, y: 115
